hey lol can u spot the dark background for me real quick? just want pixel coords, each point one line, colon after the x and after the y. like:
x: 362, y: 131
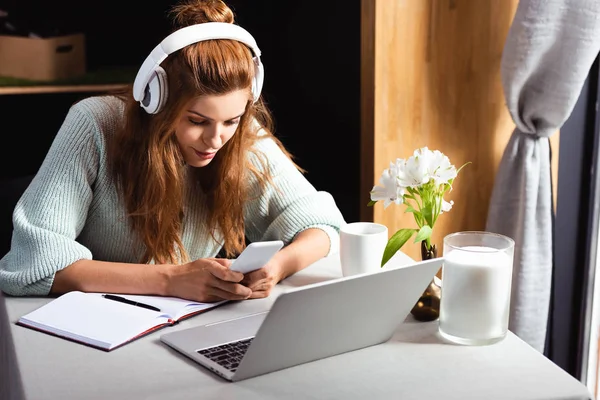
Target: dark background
x: 311, y: 56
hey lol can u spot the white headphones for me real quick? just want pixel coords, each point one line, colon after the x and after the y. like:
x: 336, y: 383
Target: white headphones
x: 150, y: 87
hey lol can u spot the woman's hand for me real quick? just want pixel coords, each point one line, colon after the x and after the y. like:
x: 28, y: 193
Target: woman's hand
x: 307, y: 247
x: 206, y: 280
x: 262, y: 281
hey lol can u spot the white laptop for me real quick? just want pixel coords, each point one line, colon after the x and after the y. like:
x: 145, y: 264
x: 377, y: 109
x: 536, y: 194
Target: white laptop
x: 308, y: 323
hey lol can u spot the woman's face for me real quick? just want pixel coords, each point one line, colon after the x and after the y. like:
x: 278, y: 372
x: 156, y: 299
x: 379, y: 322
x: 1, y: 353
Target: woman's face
x: 207, y: 123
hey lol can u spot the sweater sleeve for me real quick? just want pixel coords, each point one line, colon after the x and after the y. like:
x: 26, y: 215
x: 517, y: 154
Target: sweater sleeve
x: 52, y: 211
x: 289, y: 205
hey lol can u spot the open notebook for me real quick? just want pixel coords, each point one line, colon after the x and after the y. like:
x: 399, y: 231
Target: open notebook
x: 106, y: 324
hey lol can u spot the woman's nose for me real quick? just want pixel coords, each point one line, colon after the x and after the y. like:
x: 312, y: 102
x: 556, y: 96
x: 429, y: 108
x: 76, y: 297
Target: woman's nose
x: 212, y: 136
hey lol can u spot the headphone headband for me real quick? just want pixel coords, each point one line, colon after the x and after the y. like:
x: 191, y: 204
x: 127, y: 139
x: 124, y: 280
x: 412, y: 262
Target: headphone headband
x: 186, y: 36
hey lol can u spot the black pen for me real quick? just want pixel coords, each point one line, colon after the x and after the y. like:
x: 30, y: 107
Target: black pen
x: 127, y: 301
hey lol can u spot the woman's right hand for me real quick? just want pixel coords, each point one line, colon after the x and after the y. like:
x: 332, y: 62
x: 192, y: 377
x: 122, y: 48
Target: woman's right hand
x: 206, y: 280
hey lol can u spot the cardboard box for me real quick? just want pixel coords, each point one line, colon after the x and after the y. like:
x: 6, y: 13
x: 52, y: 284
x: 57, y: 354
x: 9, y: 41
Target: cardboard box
x: 47, y: 59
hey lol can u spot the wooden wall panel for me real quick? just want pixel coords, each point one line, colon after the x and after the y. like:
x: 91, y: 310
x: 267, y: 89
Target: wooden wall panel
x: 434, y: 79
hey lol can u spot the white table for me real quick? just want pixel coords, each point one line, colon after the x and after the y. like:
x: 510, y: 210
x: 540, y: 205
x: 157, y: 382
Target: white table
x: 415, y: 364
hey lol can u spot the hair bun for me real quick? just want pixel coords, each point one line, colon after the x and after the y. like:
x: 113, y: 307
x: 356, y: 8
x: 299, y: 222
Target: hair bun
x: 191, y: 12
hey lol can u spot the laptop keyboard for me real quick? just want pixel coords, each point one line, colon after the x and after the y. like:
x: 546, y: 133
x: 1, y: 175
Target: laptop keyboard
x: 227, y: 355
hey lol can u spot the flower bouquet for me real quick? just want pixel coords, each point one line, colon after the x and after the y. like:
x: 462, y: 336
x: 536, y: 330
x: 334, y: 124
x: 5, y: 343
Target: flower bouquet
x: 419, y: 183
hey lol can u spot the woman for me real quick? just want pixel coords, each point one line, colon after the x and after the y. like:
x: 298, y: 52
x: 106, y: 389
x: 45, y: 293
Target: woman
x: 140, y: 197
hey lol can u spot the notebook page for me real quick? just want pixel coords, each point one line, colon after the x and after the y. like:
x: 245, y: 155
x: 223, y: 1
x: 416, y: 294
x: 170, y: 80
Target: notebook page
x: 93, y: 319
x: 173, y: 306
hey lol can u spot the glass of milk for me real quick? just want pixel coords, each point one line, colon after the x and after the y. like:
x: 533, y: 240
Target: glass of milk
x: 476, y: 287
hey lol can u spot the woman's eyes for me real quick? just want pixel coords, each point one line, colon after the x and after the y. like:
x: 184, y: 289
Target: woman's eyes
x: 199, y: 123
x: 205, y: 122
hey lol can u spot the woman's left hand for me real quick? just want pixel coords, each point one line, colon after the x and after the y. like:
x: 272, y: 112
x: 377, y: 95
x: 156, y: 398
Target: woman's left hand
x: 263, y: 280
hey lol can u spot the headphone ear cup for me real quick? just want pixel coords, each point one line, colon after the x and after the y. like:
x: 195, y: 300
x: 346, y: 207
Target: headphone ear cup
x: 156, y: 93
x: 257, y: 82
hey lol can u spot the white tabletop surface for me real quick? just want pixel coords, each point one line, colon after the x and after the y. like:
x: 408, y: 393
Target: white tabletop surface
x: 415, y: 364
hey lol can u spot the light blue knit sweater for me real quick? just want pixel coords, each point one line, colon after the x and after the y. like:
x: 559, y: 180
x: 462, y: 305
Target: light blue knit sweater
x: 71, y: 210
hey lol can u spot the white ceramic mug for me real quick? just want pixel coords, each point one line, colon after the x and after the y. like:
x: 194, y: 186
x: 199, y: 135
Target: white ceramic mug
x: 361, y: 247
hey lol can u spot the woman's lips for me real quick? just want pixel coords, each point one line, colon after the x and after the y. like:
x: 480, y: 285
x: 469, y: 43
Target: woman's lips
x: 205, y: 155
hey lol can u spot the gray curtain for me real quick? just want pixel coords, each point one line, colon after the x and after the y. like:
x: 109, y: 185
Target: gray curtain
x: 548, y: 53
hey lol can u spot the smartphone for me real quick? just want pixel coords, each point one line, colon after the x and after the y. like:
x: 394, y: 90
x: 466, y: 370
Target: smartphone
x: 255, y: 256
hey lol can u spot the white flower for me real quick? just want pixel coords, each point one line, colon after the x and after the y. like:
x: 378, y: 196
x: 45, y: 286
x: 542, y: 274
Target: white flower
x: 424, y: 174
x: 413, y: 172
x: 446, y: 206
x: 440, y: 169
x: 425, y: 165
x: 390, y: 190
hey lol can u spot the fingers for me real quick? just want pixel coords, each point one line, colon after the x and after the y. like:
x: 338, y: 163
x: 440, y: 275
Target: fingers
x: 219, y: 268
x: 254, y: 277
x: 260, y: 286
x: 223, y: 261
x: 233, y: 289
x: 225, y: 284
x: 259, y: 295
x: 225, y: 295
